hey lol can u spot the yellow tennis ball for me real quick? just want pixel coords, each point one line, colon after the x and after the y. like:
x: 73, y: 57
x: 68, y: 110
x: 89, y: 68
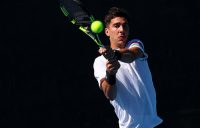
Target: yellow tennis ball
x: 97, y: 26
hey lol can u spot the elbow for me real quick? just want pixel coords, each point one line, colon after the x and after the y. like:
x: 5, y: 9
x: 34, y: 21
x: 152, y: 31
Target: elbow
x: 110, y: 96
x: 111, y: 99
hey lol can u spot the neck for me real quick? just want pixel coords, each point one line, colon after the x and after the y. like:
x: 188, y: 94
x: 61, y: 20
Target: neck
x: 114, y: 46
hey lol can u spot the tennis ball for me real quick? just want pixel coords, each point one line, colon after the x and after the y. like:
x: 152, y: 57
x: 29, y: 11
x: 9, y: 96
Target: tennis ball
x: 97, y: 26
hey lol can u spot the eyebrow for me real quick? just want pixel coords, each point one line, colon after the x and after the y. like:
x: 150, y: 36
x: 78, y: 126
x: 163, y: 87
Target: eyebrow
x: 118, y: 23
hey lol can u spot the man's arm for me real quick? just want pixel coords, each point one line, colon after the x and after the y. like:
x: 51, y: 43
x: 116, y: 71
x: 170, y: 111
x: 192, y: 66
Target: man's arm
x: 128, y: 55
x: 110, y: 91
x: 108, y: 83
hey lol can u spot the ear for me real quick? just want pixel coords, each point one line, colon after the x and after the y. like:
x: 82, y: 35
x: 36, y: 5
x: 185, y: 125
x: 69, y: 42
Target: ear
x: 106, y: 32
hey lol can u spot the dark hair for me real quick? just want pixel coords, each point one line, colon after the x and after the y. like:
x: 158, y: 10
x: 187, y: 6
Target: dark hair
x: 115, y: 12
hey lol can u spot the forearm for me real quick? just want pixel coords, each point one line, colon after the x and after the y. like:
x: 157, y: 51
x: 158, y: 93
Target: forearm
x: 128, y: 55
x: 110, y: 91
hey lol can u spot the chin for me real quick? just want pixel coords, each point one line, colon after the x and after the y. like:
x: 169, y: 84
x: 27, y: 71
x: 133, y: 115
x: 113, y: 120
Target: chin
x: 122, y: 44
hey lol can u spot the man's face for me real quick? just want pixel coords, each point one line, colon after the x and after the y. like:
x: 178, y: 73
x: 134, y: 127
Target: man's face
x: 117, y: 31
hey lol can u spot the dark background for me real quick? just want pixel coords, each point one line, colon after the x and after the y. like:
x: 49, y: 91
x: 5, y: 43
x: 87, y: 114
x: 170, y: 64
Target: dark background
x: 47, y: 65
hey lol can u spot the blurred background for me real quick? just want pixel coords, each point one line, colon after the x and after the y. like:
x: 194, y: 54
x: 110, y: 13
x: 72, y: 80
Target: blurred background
x: 46, y: 71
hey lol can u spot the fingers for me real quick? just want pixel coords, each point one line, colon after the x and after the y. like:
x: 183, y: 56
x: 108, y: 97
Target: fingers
x: 102, y: 50
x: 107, y: 52
x: 112, y: 66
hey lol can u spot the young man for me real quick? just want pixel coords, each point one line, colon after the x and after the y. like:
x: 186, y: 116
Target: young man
x: 123, y: 75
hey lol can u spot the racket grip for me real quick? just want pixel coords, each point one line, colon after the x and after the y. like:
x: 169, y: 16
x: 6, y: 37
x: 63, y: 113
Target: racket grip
x: 112, y: 54
x: 117, y: 54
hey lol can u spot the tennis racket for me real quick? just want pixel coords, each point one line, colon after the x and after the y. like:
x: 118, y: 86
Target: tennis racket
x: 79, y: 16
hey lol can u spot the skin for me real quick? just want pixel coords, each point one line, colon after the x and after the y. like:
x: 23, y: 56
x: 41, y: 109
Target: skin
x: 117, y: 31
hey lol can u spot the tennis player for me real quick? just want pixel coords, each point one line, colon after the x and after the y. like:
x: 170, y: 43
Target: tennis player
x: 124, y: 76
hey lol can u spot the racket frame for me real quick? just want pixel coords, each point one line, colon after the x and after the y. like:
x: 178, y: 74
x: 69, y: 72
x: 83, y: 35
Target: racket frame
x: 86, y: 30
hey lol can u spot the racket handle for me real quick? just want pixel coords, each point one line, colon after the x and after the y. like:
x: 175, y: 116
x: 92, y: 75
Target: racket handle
x: 117, y: 54
x: 112, y: 54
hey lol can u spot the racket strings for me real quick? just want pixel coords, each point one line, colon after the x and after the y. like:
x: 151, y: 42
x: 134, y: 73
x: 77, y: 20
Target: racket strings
x: 82, y: 18
x: 77, y: 11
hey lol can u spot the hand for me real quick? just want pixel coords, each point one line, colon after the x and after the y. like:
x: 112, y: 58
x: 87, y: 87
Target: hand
x: 112, y: 66
x: 107, y: 52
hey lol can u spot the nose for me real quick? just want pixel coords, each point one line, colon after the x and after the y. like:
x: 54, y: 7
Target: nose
x: 121, y: 28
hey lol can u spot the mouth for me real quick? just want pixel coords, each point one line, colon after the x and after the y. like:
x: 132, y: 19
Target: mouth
x: 122, y: 37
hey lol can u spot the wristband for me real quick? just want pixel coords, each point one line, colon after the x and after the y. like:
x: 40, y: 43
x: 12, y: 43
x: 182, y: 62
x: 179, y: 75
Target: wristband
x: 111, y: 79
x: 117, y: 55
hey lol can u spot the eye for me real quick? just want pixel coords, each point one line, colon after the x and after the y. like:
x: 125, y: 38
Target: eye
x: 116, y: 25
